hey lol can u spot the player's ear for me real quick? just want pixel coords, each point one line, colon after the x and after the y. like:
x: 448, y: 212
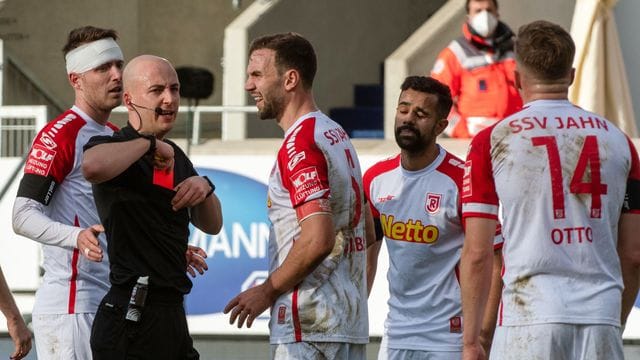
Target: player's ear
x: 74, y: 81
x: 291, y: 79
x: 441, y: 125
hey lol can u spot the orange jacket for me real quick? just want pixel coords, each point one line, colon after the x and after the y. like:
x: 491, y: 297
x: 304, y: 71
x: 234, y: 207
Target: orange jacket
x: 481, y: 80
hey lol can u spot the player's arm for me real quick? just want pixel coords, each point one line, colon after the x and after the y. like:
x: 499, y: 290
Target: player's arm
x: 18, y: 331
x: 29, y: 220
x: 104, y: 161
x: 316, y: 241
x: 493, y: 302
x: 629, y: 253
x: 476, y: 266
x: 374, y: 242
x: 628, y: 241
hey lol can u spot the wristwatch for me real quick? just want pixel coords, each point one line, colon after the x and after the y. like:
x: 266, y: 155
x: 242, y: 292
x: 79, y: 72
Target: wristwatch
x: 213, y: 187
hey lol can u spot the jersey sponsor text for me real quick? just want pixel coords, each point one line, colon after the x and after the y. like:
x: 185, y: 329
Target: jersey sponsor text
x: 412, y: 230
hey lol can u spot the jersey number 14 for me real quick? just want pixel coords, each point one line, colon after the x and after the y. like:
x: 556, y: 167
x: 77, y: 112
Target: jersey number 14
x: 589, y: 157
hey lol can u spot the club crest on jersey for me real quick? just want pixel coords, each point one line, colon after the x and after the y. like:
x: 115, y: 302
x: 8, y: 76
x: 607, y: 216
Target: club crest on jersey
x: 432, y: 204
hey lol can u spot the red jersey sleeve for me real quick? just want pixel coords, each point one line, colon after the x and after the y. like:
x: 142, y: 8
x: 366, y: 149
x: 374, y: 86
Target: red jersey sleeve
x: 479, y: 196
x: 303, y: 165
x: 51, y: 158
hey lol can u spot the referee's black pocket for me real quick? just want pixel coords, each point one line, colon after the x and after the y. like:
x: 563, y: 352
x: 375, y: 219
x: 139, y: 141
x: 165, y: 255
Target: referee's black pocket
x: 108, y: 330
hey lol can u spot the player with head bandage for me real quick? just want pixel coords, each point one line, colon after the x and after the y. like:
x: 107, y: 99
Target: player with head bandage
x: 55, y: 206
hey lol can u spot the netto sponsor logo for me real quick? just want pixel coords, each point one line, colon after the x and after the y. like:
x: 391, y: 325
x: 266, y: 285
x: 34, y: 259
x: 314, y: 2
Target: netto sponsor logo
x: 411, y: 230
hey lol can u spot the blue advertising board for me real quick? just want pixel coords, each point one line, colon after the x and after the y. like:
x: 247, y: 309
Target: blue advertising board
x: 238, y: 255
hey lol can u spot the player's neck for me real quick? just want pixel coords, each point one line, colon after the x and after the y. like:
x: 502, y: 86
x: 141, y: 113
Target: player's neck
x: 418, y: 160
x: 99, y: 116
x: 298, y: 105
x: 545, y: 91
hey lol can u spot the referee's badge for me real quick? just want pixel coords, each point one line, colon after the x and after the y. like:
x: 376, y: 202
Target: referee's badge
x: 432, y: 205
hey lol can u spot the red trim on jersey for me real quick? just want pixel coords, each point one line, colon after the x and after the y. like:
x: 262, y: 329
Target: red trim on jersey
x: 299, y: 158
x: 294, y: 313
x: 480, y: 215
x: 453, y: 167
x: 113, y: 127
x: 73, y: 282
x: 53, y: 150
x: 479, y: 184
x: 377, y: 169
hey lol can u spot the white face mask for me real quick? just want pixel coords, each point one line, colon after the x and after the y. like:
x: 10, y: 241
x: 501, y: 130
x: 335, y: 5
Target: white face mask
x: 484, y: 23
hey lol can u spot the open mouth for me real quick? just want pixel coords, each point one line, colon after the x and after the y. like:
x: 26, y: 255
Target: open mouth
x: 161, y: 111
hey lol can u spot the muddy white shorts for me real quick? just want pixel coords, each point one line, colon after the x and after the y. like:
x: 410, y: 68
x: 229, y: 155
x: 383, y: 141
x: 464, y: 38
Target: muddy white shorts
x: 318, y: 350
x: 63, y: 336
x: 557, y: 341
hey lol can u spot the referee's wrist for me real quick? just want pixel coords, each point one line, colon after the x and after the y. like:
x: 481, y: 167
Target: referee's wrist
x: 152, y: 142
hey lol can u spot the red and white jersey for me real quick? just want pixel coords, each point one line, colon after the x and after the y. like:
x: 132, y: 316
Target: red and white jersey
x: 560, y: 175
x: 318, y: 161
x: 420, y: 216
x: 53, y: 178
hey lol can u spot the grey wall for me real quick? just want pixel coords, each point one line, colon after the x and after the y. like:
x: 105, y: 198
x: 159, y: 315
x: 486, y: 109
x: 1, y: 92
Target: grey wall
x: 185, y: 32
x: 351, y: 38
x: 626, y: 13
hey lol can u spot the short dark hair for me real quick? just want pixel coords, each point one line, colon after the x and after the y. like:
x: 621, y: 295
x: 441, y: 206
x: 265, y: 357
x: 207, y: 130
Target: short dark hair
x: 545, y: 49
x: 87, y: 34
x: 292, y: 52
x: 466, y: 5
x: 429, y: 85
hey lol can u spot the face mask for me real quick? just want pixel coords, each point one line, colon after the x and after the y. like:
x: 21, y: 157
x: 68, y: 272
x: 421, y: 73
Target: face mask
x: 484, y: 23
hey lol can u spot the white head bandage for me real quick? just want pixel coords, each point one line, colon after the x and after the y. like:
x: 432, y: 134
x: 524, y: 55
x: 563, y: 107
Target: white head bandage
x: 91, y: 55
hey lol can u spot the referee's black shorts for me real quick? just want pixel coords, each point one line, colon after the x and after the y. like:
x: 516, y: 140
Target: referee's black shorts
x: 161, y: 333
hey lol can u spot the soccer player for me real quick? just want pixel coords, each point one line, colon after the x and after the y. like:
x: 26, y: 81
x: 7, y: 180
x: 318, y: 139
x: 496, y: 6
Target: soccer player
x: 415, y: 203
x: 54, y: 204
x: 568, y: 183
x: 316, y: 286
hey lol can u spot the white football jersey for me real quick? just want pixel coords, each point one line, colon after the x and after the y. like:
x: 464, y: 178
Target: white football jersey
x: 53, y: 176
x: 318, y: 161
x: 419, y: 212
x: 560, y: 175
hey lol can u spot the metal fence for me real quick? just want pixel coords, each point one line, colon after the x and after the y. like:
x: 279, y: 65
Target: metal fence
x: 18, y: 126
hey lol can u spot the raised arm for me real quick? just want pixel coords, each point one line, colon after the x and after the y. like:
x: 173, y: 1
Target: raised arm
x: 105, y: 161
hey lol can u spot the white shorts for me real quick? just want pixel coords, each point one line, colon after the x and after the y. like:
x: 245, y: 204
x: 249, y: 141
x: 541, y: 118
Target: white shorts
x: 557, y: 341
x: 318, y: 351
x: 403, y: 354
x: 63, y: 336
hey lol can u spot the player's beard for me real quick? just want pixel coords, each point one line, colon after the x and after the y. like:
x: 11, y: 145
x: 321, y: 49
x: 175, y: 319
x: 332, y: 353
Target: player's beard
x: 273, y: 107
x: 413, y: 144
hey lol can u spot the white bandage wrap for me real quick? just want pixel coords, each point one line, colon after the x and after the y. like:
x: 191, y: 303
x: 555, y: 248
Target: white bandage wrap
x: 93, y: 54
